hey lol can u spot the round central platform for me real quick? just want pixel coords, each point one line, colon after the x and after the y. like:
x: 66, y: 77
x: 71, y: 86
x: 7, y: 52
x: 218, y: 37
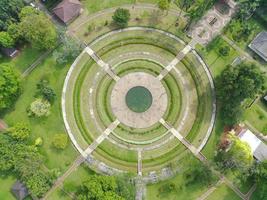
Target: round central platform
x: 139, y: 100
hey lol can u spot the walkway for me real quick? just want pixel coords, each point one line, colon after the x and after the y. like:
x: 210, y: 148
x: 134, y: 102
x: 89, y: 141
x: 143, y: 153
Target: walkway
x: 176, y: 60
x: 101, y: 63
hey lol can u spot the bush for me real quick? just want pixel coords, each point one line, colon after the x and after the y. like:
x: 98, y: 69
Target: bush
x: 224, y: 51
x: 46, y: 91
x: 39, y: 108
x: 9, y: 86
x: 60, y: 141
x: 121, y: 17
x: 20, y: 131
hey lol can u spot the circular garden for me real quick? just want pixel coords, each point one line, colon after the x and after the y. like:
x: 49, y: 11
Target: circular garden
x: 142, y: 95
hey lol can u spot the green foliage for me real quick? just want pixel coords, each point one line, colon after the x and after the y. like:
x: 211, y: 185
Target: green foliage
x: 98, y: 188
x: 6, y: 40
x: 247, y: 8
x: 261, y: 179
x: 39, y: 108
x: 125, y: 187
x: 224, y: 51
x: 23, y: 160
x: 198, y: 172
x: 121, y: 17
x: 164, y: 5
x: 60, y: 141
x: 240, y: 153
x: 45, y: 91
x: 37, y: 29
x: 70, y: 50
x: 38, y: 142
x: 9, y: 10
x: 20, y: 131
x: 234, y: 86
x: 9, y: 86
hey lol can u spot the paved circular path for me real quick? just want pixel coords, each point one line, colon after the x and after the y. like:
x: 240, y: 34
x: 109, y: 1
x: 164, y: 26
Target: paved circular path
x: 129, y: 117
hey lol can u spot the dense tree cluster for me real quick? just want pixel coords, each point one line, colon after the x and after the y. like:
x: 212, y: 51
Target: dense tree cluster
x: 235, y: 84
x: 17, y: 157
x: 20, y: 131
x: 121, y: 17
x: 9, y: 86
x: 69, y: 50
x: 99, y: 187
x: 29, y: 25
x: 9, y: 10
x: 45, y: 91
x: 39, y: 108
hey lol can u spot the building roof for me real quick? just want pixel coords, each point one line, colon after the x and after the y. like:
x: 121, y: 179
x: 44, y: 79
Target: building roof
x: 259, y: 45
x: 258, y: 148
x: 10, y: 52
x: 19, y: 190
x: 66, y: 10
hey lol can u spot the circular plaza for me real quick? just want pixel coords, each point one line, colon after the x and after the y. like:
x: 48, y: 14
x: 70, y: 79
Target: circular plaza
x: 133, y: 97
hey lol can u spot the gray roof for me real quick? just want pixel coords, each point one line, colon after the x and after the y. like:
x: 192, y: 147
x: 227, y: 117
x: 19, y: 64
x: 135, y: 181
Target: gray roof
x: 19, y: 190
x: 261, y: 152
x: 66, y: 10
x: 259, y: 45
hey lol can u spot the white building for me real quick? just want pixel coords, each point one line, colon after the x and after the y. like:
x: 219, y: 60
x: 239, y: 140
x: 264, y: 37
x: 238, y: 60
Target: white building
x: 258, y: 147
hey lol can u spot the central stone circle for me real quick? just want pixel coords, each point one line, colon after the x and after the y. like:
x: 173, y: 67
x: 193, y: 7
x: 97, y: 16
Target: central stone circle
x: 139, y: 99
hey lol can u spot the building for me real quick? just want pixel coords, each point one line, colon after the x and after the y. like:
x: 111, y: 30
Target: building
x: 258, y: 147
x: 259, y: 45
x: 19, y: 190
x: 68, y: 10
x: 10, y: 52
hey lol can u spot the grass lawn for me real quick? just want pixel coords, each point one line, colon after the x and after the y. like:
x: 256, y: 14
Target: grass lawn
x: 223, y: 193
x: 6, y: 183
x: 256, y: 117
x: 25, y: 58
x: 48, y: 126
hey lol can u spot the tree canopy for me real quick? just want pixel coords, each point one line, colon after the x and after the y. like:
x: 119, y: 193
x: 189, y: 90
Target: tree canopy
x: 9, y: 86
x: 60, y: 141
x: 37, y: 29
x: 6, y: 40
x: 121, y: 17
x: 235, y: 84
x: 9, y: 10
x: 20, y: 131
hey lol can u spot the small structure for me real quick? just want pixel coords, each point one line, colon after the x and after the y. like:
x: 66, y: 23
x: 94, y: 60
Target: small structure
x: 258, y: 147
x: 68, y: 10
x: 259, y: 45
x: 265, y: 98
x: 19, y: 190
x: 10, y: 52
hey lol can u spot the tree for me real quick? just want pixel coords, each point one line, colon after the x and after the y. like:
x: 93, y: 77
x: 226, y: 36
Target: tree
x: 164, y: 5
x: 70, y: 50
x: 236, y: 84
x: 9, y: 86
x: 20, y: 131
x: 6, y: 40
x: 60, y: 141
x: 46, y: 91
x: 183, y: 5
x: 224, y: 51
x: 39, y: 108
x: 99, y: 188
x: 121, y: 17
x: 9, y: 10
x: 37, y: 29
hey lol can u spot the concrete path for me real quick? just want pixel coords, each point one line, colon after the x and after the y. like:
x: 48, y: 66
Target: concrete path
x: 210, y: 191
x: 177, y: 59
x: 101, y: 138
x: 101, y: 63
x: 139, y: 170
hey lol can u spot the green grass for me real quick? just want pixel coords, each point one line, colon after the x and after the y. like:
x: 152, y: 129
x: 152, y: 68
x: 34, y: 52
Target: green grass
x: 6, y: 183
x: 256, y: 116
x: 45, y: 127
x: 223, y: 192
x: 25, y: 58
